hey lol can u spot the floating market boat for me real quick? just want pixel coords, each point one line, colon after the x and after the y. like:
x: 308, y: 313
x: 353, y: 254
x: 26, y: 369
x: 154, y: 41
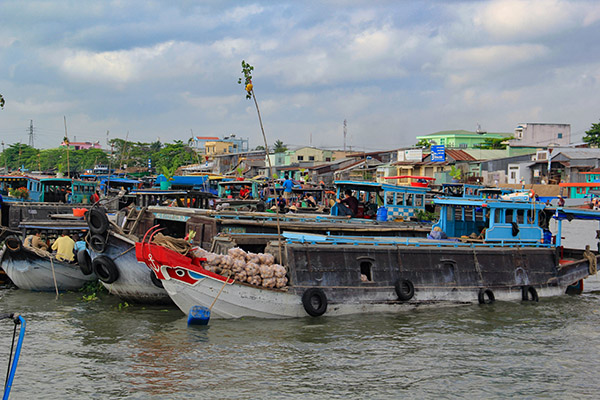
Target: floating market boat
x: 499, y: 250
x: 38, y: 270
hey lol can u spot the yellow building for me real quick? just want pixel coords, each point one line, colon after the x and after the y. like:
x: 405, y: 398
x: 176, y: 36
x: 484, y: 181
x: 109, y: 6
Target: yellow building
x: 219, y: 147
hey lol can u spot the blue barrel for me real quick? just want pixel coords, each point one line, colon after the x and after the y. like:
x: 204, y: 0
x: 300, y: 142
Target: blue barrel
x: 382, y: 214
x: 547, y: 237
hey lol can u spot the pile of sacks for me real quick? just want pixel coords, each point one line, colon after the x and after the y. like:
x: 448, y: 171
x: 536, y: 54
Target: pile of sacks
x: 255, y: 269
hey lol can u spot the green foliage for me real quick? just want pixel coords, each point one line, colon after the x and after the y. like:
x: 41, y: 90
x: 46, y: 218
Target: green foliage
x: 259, y: 148
x: 455, y: 173
x: 247, y: 72
x: 494, y: 144
x: 168, y: 172
x: 122, y: 306
x: 279, y: 147
x: 91, y: 290
x: 425, y: 216
x: 423, y: 143
x: 592, y: 137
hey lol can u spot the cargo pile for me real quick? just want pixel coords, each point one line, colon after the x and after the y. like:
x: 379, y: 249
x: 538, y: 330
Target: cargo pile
x: 256, y: 269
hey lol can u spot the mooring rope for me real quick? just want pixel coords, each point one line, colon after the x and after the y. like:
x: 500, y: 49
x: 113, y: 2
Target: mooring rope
x: 54, y: 277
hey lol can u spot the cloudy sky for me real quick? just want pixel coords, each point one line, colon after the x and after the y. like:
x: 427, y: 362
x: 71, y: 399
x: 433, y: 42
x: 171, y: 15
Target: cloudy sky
x: 393, y: 69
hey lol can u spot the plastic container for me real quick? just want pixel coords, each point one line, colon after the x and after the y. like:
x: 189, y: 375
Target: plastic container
x: 382, y: 214
x: 198, y: 315
x: 79, y: 212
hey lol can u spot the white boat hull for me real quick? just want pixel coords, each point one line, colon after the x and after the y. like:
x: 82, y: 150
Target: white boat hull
x: 40, y: 274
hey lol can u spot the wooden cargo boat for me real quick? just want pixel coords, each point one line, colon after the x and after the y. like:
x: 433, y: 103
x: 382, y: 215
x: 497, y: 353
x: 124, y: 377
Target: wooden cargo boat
x: 38, y: 270
x: 514, y: 260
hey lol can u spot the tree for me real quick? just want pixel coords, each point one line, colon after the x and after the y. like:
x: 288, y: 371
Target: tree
x: 423, y: 143
x: 592, y: 137
x: 279, y: 147
x: 1, y: 101
x: 494, y: 144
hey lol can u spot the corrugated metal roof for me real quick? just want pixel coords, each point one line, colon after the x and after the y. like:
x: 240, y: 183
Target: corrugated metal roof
x: 460, y: 155
x: 577, y: 153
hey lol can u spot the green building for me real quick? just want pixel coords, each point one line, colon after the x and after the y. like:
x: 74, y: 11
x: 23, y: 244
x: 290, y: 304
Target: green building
x: 461, y: 139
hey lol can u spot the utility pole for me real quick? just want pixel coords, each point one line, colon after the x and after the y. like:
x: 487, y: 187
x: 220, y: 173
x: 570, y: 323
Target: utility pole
x: 31, y: 132
x: 5, y: 161
x: 67, y: 144
x: 345, y: 131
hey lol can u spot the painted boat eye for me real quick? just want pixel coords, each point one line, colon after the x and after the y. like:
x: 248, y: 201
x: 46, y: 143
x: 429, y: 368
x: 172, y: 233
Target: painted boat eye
x: 180, y: 272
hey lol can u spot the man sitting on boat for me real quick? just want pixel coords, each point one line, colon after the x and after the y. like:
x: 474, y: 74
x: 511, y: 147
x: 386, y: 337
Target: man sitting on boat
x: 437, y: 234
x: 64, y: 246
x: 348, y: 205
x: 37, y: 242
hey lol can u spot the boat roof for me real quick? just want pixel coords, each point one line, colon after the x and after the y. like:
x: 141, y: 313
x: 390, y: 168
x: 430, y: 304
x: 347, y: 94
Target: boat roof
x: 376, y: 186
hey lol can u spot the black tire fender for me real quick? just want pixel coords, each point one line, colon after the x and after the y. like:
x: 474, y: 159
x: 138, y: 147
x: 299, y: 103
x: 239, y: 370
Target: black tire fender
x: 486, y: 296
x: 105, y: 269
x: 314, y: 302
x: 97, y: 220
x: 97, y: 243
x: 13, y: 244
x: 529, y: 294
x: 157, y: 282
x: 85, y: 262
x: 404, y: 289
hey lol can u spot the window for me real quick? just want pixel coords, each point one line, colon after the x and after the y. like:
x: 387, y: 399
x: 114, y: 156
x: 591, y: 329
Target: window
x: 300, y: 158
x: 311, y: 158
x: 365, y: 270
x: 399, y: 199
x: 463, y: 145
x: 327, y: 158
x: 389, y: 198
x: 560, y: 135
x: 442, y: 141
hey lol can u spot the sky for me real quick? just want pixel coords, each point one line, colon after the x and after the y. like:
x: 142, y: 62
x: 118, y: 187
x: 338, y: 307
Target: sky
x: 394, y: 70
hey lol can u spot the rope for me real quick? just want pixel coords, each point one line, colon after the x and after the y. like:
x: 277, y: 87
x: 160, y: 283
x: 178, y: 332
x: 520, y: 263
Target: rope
x: 592, y: 260
x: 12, y: 346
x: 54, y: 277
x: 181, y: 246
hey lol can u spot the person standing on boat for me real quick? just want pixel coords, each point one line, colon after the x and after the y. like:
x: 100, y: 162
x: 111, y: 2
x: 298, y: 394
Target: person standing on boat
x: 37, y: 242
x: 64, y: 246
x: 287, y: 189
x: 561, y: 201
x: 348, y: 205
x: 95, y: 197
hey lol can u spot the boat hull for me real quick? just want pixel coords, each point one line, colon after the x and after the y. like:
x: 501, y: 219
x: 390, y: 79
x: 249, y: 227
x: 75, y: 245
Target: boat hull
x: 134, y: 283
x: 441, y: 275
x: 30, y: 271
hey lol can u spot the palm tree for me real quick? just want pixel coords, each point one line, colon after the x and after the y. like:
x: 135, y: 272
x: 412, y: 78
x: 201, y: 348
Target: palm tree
x: 279, y: 147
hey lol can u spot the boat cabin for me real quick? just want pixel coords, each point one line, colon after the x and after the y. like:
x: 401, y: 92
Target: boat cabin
x: 56, y: 190
x: 232, y: 189
x: 491, y: 220
x: 400, y: 202
x: 20, y: 188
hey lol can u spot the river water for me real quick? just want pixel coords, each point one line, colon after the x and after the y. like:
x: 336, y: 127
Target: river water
x: 104, y: 349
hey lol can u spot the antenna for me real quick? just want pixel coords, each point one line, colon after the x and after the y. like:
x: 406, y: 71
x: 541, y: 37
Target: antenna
x: 479, y: 130
x: 345, y: 132
x: 31, y: 132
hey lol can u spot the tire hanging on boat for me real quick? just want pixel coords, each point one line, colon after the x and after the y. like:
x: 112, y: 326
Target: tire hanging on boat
x: 97, y: 243
x: 529, y: 293
x: 404, y: 289
x: 155, y: 280
x: 105, y: 269
x: 486, y: 296
x: 13, y: 244
x: 314, y: 302
x: 97, y: 220
x: 85, y: 262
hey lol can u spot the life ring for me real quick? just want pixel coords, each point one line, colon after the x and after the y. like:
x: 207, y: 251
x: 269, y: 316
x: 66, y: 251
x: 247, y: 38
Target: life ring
x: 85, y: 262
x: 157, y: 282
x: 105, y: 269
x: 97, y: 220
x: 404, y: 289
x: 314, y: 302
x: 529, y: 293
x: 13, y: 244
x: 97, y: 243
x: 483, y: 293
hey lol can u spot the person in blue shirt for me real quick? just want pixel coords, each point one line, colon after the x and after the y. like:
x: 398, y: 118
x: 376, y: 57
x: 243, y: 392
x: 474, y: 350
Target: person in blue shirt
x: 287, y: 189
